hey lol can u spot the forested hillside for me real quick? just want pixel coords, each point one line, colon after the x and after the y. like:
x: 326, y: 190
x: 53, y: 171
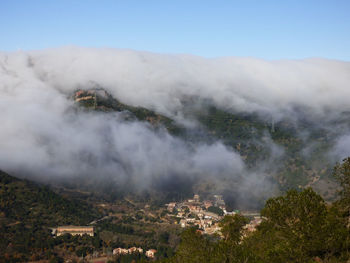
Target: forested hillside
x: 27, y: 211
x: 294, y: 152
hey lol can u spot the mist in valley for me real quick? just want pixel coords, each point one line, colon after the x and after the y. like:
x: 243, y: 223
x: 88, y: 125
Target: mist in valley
x: 46, y: 137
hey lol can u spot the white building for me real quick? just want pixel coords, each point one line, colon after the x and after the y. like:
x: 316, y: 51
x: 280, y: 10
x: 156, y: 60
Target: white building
x: 150, y: 253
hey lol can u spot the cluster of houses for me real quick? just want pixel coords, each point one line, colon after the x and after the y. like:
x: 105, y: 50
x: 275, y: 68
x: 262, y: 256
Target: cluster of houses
x: 123, y: 251
x: 206, y: 214
x: 194, y: 212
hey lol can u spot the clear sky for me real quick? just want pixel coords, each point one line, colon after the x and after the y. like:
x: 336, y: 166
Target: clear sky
x: 261, y: 28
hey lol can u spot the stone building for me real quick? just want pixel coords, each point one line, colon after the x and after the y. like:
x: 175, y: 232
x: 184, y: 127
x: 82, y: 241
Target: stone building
x: 75, y: 230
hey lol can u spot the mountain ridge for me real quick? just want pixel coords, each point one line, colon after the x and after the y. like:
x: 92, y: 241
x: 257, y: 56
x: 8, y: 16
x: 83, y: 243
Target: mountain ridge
x: 256, y: 139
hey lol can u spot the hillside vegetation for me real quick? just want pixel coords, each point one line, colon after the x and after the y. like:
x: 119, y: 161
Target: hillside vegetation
x: 293, y: 152
x: 297, y: 227
x: 27, y: 211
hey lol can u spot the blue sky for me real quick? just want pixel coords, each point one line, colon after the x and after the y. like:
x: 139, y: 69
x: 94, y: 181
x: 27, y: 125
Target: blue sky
x: 265, y: 29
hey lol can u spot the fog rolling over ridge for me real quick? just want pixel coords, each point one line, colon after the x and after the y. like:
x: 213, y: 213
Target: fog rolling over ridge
x: 44, y: 136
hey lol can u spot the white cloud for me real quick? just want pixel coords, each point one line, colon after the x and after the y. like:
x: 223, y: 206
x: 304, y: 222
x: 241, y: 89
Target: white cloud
x: 41, y: 134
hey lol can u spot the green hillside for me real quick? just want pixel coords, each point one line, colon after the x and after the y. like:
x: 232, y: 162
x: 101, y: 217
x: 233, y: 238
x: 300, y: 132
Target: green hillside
x: 293, y: 152
x: 293, y: 159
x: 301, y: 161
x: 100, y: 100
x: 27, y: 211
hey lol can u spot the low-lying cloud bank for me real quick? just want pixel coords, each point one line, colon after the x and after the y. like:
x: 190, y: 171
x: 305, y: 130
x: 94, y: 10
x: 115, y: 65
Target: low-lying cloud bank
x: 160, y: 81
x: 42, y: 134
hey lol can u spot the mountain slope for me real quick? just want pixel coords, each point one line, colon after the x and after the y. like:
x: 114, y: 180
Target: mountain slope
x: 100, y: 100
x: 292, y: 152
x: 27, y: 210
